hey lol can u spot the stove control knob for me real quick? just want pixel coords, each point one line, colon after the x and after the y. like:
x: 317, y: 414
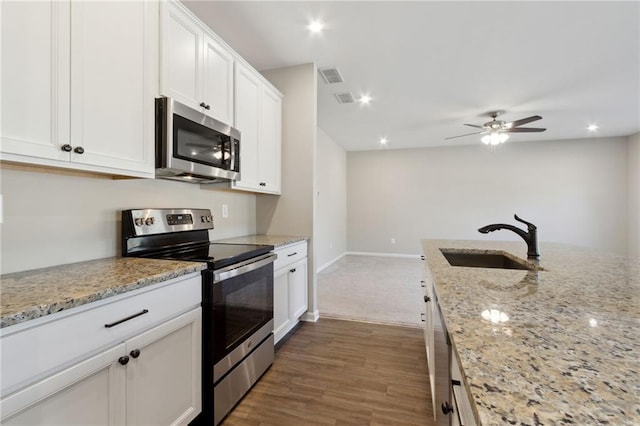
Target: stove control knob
x: 203, y: 219
x: 139, y: 221
x: 208, y: 218
x: 148, y: 221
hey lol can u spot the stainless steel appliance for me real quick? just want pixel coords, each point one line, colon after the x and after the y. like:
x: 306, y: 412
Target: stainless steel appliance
x: 193, y: 147
x: 237, y: 292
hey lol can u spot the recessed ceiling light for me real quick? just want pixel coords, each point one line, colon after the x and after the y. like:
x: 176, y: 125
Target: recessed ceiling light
x: 315, y: 27
x: 383, y: 140
x: 364, y: 99
x: 592, y: 127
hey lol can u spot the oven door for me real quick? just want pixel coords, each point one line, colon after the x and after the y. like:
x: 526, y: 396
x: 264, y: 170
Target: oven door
x: 241, y: 300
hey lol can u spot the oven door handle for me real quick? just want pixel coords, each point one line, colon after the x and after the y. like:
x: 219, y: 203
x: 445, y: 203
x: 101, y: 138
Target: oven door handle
x: 243, y: 267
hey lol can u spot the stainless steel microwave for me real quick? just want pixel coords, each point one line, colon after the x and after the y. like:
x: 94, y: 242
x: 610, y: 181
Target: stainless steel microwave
x: 193, y: 147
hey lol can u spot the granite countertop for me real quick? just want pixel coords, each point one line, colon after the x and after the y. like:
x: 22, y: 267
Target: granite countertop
x: 564, y: 343
x: 39, y: 292
x: 271, y: 240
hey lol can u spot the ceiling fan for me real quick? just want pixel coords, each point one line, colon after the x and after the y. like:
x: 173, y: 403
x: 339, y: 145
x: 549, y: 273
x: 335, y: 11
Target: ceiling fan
x: 495, y: 131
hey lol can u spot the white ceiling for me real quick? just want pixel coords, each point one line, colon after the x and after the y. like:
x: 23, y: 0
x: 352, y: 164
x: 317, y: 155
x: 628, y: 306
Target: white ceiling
x: 433, y: 66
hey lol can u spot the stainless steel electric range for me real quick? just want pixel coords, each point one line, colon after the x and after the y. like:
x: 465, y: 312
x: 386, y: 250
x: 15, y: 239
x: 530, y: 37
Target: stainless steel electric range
x: 237, y: 298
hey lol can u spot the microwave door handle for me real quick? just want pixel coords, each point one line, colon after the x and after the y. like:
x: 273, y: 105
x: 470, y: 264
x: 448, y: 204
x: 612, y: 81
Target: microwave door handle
x: 233, y: 152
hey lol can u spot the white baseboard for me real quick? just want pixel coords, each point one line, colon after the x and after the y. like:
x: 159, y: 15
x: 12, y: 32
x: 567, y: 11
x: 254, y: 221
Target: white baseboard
x: 329, y: 263
x: 366, y: 253
x: 310, y: 316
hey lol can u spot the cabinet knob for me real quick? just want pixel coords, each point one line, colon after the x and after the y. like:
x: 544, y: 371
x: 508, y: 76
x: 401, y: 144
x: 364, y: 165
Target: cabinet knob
x: 124, y: 360
x: 447, y: 408
x: 66, y: 147
x: 135, y: 353
x: 422, y: 283
x: 427, y: 299
x: 78, y: 150
x: 422, y: 317
x: 292, y: 270
x: 263, y: 184
x: 205, y: 106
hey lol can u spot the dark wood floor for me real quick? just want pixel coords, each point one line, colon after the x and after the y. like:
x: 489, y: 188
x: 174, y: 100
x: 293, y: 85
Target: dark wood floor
x: 342, y: 373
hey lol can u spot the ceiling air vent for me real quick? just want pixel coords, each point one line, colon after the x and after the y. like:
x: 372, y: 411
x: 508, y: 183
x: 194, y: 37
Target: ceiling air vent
x: 331, y: 75
x: 345, y: 98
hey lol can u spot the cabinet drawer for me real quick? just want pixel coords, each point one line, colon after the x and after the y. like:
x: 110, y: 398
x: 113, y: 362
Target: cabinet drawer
x: 58, y: 340
x: 289, y: 254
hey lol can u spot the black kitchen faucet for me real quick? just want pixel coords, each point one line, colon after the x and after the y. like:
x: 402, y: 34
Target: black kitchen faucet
x: 530, y: 237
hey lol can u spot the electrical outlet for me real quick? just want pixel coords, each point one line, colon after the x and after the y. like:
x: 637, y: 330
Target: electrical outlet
x: 225, y: 211
x: 393, y: 241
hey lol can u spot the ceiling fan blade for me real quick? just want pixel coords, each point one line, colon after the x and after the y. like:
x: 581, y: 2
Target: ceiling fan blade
x: 524, y: 130
x: 474, y: 125
x: 459, y: 136
x: 523, y: 121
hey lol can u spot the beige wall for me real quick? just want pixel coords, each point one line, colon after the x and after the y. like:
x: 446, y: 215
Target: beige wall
x: 575, y: 191
x: 293, y: 212
x: 57, y: 217
x: 634, y: 196
x: 331, y: 201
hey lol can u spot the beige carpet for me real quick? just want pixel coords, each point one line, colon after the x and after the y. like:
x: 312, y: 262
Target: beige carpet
x: 375, y: 289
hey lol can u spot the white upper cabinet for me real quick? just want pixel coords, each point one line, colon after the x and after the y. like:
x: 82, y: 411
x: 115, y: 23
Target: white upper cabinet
x: 197, y: 70
x: 78, y: 83
x: 112, y: 83
x: 248, y: 89
x: 258, y: 117
x: 35, y: 85
x: 217, y: 80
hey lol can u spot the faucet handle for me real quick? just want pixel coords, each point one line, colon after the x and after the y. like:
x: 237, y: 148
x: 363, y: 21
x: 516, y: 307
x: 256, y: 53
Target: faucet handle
x: 529, y: 224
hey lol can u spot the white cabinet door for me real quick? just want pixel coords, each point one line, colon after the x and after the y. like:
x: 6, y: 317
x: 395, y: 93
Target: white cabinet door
x: 217, y: 80
x: 270, y: 140
x: 280, y: 303
x: 35, y: 79
x: 89, y: 393
x: 429, y: 304
x: 289, y: 288
x: 181, y: 56
x: 297, y: 289
x: 197, y: 69
x: 247, y: 120
x: 259, y: 119
x: 113, y: 84
x: 164, y: 373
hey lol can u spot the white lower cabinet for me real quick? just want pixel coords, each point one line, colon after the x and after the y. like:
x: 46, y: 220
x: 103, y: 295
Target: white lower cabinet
x: 89, y: 393
x: 289, y: 288
x: 151, y: 379
x: 463, y: 413
x: 142, y: 369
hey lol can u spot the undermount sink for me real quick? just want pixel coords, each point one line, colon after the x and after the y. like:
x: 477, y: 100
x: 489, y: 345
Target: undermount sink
x: 486, y: 259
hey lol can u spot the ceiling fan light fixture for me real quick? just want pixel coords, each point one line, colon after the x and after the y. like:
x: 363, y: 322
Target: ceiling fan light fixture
x: 494, y: 138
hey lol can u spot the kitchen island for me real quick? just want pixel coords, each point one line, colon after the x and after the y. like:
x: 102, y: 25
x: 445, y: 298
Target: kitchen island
x: 554, y: 346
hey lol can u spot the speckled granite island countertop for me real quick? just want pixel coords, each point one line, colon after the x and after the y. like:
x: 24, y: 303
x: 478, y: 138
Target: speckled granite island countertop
x: 565, y: 348
x: 271, y: 240
x: 39, y: 292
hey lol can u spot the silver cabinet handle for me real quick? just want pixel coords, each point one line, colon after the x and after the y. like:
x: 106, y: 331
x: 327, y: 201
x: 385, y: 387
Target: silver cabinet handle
x: 422, y: 283
x: 422, y: 317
